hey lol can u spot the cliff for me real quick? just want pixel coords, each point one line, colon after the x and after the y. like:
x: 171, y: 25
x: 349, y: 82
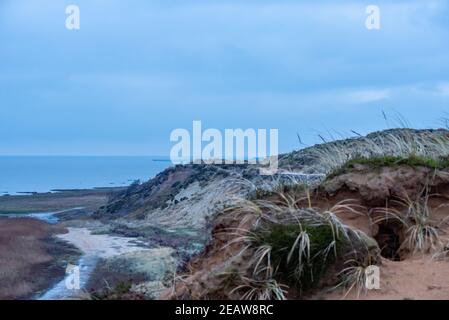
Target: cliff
x: 238, y: 219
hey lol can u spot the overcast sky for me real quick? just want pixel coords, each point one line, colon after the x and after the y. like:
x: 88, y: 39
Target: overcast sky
x: 138, y: 69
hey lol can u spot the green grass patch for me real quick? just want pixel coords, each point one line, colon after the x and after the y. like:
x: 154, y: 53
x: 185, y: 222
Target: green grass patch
x: 302, y: 272
x: 392, y: 161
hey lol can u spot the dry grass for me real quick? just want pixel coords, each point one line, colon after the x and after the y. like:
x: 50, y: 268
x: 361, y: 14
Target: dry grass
x: 287, y: 241
x: 268, y: 289
x: 354, y: 276
x: 422, y: 233
x: 24, y: 257
x: 333, y: 156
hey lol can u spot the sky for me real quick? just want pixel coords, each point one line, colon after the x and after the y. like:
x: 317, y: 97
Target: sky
x: 138, y: 69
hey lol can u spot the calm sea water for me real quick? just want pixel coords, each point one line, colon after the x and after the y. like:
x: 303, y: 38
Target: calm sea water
x: 42, y: 174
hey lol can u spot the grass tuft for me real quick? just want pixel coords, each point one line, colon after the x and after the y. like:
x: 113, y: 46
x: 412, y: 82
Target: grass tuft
x: 385, y: 148
x: 298, y: 254
x: 422, y: 234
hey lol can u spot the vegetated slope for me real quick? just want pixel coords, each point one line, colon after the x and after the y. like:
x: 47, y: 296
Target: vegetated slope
x: 393, y: 142
x: 186, y: 195
x: 179, y: 197
x: 388, y: 169
x: 297, y: 242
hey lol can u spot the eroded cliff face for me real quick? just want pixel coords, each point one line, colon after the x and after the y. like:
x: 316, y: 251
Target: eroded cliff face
x: 186, y: 207
x: 179, y: 197
x: 176, y: 208
x: 374, y: 185
x: 400, y: 219
x: 186, y: 196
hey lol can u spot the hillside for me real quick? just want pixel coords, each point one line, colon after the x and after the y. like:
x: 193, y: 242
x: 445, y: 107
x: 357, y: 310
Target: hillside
x: 349, y: 186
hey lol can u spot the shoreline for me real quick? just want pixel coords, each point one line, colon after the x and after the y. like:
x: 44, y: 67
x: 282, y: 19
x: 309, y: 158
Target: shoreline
x: 59, y: 266
x: 33, y: 256
x: 65, y: 235
x: 89, y: 199
x: 42, y: 276
x: 97, y: 252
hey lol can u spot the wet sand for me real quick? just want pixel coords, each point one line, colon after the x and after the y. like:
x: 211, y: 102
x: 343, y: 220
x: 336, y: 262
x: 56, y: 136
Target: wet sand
x: 101, y: 245
x: 95, y: 248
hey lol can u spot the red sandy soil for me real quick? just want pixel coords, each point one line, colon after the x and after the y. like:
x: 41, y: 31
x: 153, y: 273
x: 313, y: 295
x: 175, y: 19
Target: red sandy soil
x: 418, y: 278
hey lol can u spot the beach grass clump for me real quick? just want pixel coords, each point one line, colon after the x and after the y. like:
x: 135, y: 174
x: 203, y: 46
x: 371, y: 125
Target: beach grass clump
x: 387, y: 147
x: 299, y: 254
x: 354, y: 276
x: 422, y: 233
x: 268, y: 289
x: 292, y: 247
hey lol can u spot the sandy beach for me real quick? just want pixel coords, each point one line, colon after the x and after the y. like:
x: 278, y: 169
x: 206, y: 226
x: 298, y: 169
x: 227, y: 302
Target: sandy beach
x: 100, y: 245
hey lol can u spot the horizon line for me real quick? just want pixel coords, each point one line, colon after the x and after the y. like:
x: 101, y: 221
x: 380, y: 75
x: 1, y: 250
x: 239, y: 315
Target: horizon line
x: 82, y: 155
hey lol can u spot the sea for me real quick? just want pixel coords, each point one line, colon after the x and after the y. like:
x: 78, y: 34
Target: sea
x: 29, y: 174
